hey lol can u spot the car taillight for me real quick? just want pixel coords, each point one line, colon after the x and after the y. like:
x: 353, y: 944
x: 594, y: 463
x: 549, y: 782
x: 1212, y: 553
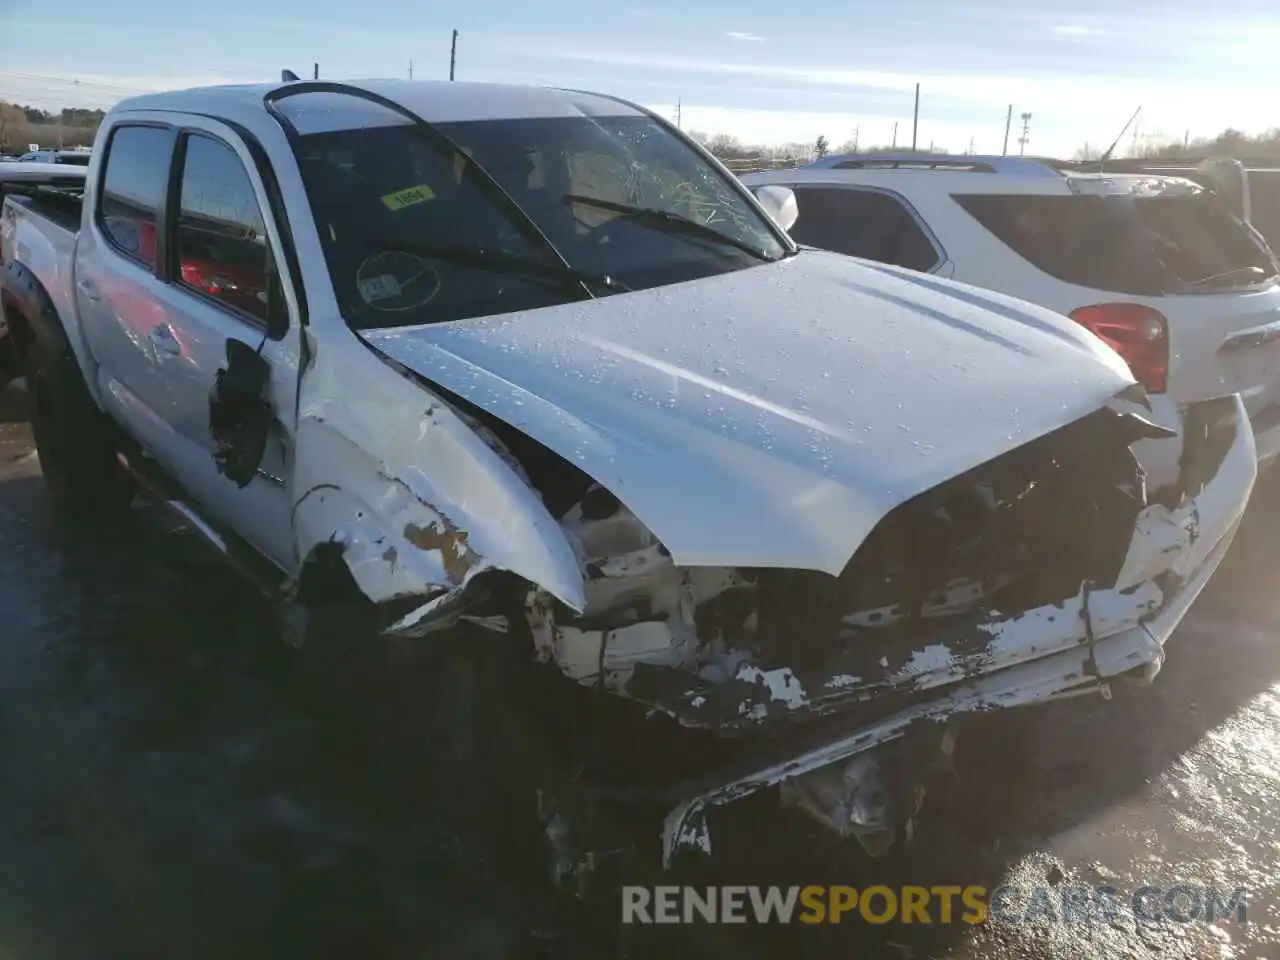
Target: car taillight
x: 1139, y: 334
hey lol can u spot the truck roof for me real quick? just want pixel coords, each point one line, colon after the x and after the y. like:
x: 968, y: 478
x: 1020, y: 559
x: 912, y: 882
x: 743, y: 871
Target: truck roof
x: 435, y: 101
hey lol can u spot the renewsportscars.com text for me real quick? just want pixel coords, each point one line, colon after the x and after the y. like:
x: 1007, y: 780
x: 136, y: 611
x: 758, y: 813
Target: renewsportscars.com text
x: 817, y: 904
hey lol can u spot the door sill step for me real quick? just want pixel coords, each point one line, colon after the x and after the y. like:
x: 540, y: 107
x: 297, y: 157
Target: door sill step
x: 232, y: 549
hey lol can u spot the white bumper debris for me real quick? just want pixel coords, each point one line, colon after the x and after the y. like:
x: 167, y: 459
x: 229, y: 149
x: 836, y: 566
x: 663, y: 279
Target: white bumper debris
x: 1106, y: 634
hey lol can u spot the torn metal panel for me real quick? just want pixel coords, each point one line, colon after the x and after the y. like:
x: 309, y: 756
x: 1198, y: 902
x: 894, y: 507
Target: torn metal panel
x: 1166, y: 545
x: 640, y: 608
x: 420, y: 501
x: 1136, y: 651
x: 757, y: 696
x: 1037, y: 681
x: 978, y: 575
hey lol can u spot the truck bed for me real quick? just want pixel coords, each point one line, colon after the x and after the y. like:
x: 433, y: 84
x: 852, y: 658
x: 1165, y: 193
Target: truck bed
x: 59, y: 208
x: 53, y: 189
x: 42, y: 220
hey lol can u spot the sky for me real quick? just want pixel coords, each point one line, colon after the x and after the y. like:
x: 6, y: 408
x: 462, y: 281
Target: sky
x: 761, y: 70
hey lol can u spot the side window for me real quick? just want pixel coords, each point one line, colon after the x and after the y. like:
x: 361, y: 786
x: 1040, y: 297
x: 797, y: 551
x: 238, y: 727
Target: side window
x: 221, y: 237
x: 862, y: 223
x: 136, y: 177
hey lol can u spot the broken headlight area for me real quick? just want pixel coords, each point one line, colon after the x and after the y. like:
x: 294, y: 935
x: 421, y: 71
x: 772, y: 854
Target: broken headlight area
x: 1048, y: 548
x: 1012, y: 560
x: 698, y: 687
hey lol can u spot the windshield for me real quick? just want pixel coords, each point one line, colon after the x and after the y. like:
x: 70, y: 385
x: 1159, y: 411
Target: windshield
x: 412, y: 234
x: 1144, y: 246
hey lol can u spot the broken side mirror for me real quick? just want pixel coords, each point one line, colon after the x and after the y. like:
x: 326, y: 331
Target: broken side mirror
x: 277, y: 306
x: 780, y: 204
x: 240, y: 415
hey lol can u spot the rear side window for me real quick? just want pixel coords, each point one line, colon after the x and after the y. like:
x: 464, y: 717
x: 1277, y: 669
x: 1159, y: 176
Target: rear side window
x: 862, y: 223
x: 221, y: 236
x: 136, y: 176
x: 1142, y: 246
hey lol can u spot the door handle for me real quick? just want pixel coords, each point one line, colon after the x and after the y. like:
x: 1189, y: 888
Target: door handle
x: 89, y: 289
x: 162, y: 339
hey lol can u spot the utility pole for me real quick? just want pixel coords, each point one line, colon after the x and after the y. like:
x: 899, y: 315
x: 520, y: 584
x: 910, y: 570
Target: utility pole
x: 971, y: 146
x: 1186, y: 141
x: 453, y: 54
x: 1026, y: 135
x: 895, y: 134
x: 1008, y: 122
x: 678, y: 126
x: 855, y: 137
x: 410, y: 71
x: 915, y: 120
x: 315, y: 71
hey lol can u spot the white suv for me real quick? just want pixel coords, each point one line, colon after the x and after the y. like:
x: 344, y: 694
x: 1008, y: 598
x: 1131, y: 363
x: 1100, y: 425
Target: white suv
x: 1154, y: 266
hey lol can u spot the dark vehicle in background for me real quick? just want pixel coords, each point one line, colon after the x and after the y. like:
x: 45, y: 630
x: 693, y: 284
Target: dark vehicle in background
x: 75, y: 158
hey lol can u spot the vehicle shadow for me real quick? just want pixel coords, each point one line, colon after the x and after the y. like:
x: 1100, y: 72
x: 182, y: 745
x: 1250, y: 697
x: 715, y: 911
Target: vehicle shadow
x: 15, y: 405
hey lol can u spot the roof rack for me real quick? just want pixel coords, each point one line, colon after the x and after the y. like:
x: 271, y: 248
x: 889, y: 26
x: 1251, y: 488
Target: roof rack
x: 965, y: 163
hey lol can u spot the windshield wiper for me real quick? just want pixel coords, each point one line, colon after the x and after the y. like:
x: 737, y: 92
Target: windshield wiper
x: 1255, y: 274
x: 499, y: 261
x: 666, y: 220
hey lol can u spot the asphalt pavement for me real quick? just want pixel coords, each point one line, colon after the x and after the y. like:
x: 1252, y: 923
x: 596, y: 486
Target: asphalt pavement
x: 176, y: 783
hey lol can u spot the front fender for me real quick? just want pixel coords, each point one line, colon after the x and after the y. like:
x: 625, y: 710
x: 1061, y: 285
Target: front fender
x: 417, y: 501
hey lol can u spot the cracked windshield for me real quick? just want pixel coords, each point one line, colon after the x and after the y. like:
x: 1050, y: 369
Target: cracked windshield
x: 640, y: 480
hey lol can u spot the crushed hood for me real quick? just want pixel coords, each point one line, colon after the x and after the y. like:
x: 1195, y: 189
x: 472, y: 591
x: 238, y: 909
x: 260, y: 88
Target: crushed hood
x: 770, y: 417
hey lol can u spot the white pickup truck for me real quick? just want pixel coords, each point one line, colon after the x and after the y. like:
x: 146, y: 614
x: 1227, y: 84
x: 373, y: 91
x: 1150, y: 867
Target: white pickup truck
x: 532, y: 359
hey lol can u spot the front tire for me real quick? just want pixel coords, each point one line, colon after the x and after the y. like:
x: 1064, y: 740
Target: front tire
x: 75, y: 441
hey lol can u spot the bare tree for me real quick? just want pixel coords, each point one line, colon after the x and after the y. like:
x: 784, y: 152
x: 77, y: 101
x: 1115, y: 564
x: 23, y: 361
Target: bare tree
x: 726, y: 145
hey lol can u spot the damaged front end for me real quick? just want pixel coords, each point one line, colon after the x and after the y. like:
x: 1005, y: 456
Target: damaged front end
x: 1040, y: 574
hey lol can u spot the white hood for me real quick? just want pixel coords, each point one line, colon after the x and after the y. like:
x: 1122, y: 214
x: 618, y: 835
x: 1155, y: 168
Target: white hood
x: 772, y: 416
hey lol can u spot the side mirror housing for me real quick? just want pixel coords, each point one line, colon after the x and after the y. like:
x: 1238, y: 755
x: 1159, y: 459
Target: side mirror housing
x: 780, y: 204
x: 277, y: 307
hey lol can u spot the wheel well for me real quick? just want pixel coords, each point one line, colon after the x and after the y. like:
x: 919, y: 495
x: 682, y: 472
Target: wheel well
x: 18, y: 341
x: 325, y: 579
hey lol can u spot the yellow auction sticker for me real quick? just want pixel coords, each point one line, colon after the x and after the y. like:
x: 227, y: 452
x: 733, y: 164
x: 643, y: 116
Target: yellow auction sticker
x: 408, y: 197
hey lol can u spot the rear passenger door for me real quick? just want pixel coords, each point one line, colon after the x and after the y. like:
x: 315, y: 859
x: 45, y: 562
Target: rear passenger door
x: 115, y: 275
x: 862, y: 222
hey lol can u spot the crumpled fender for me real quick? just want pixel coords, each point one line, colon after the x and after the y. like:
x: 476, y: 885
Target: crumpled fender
x: 419, y: 503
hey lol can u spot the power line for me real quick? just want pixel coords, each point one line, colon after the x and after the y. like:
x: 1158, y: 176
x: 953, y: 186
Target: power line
x: 56, y: 103
x: 70, y: 81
